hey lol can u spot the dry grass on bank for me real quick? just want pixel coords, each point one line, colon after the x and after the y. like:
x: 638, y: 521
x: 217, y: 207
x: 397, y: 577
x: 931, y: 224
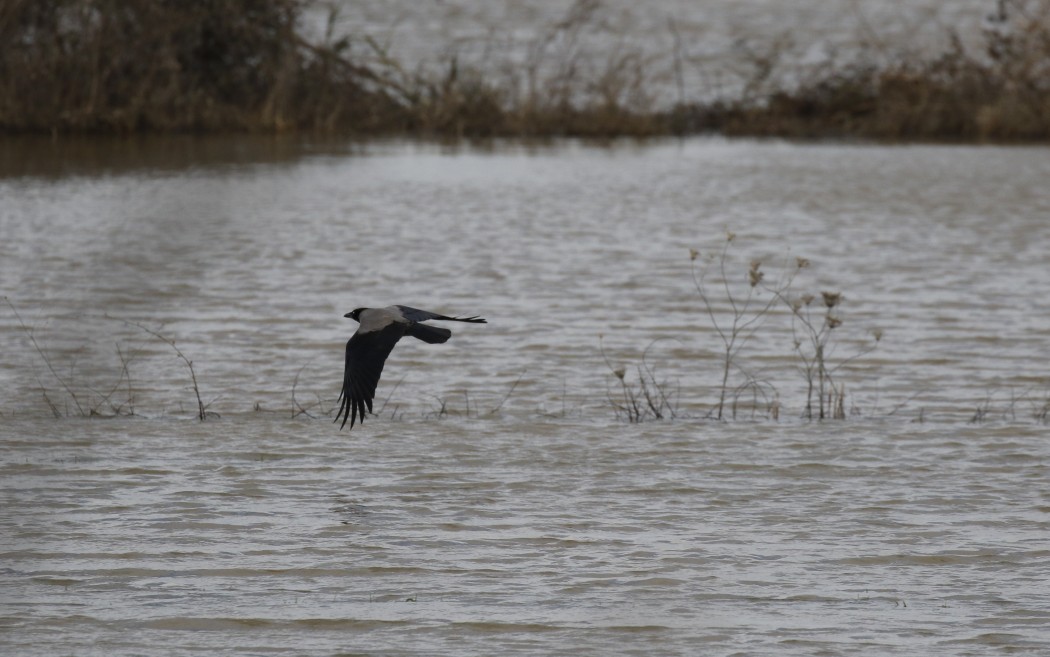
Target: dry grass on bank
x: 1001, y: 93
x: 125, y: 66
x: 129, y: 66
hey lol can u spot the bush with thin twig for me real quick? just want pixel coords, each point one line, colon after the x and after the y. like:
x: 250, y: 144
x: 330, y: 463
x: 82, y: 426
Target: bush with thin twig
x: 999, y: 90
x: 812, y: 334
x: 140, y: 65
x: 117, y: 398
x: 202, y: 409
x: 736, y: 315
x: 650, y: 399
x: 126, y: 66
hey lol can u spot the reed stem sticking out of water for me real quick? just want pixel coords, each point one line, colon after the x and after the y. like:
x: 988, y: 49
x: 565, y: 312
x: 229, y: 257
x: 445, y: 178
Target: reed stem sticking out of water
x: 1041, y: 409
x: 651, y: 398
x: 88, y: 400
x: 735, y: 315
x: 812, y: 333
x: 202, y: 408
x: 50, y: 367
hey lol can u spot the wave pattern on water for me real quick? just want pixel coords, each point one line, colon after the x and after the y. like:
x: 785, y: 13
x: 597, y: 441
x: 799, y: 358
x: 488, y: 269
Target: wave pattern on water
x: 781, y: 541
x: 905, y: 529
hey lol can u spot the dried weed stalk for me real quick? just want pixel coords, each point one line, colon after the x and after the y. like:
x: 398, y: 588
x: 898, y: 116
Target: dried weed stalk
x: 202, y: 409
x: 814, y: 323
x: 650, y: 399
x: 737, y: 312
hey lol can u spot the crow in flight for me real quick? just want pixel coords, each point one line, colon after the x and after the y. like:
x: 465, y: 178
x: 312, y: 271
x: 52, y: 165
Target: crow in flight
x: 368, y: 348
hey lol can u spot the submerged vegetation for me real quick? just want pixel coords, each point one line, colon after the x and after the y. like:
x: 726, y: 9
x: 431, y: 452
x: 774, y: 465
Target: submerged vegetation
x: 127, y: 66
x: 113, y: 398
x: 737, y: 305
x: 740, y: 307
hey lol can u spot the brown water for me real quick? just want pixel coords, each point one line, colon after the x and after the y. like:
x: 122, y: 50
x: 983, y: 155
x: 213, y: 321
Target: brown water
x: 476, y: 515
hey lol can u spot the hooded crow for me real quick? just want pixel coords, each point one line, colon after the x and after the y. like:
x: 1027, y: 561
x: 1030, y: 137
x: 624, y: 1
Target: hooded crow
x: 368, y: 348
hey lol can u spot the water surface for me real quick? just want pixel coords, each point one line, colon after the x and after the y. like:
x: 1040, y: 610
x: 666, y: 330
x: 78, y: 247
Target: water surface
x: 498, y: 502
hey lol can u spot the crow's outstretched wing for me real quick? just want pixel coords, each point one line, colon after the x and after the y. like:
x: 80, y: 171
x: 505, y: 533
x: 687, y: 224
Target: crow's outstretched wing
x: 417, y: 315
x: 366, y: 353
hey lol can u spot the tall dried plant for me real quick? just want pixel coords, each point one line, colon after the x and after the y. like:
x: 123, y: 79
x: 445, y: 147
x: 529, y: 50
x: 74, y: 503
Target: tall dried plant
x: 735, y: 307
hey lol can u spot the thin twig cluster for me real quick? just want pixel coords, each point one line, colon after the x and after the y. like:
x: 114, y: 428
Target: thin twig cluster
x: 115, y: 399
x: 650, y: 398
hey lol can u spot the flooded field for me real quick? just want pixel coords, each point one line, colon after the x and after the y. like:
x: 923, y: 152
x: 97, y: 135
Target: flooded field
x: 500, y: 501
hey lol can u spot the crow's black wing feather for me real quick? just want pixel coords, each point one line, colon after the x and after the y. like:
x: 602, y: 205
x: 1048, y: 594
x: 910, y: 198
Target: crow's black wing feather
x: 366, y: 353
x: 417, y: 315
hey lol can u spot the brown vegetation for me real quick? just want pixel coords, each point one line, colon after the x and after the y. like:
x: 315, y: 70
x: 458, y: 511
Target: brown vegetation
x: 998, y: 90
x: 957, y: 96
x: 123, y: 66
x: 203, y: 65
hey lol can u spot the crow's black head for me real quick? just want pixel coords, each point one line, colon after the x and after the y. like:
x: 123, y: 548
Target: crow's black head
x: 355, y: 314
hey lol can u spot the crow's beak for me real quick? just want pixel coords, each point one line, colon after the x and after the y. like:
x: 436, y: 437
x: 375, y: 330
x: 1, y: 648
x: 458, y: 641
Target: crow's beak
x: 349, y: 315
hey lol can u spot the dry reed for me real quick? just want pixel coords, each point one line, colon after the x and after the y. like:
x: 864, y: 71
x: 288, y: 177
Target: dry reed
x: 109, y: 66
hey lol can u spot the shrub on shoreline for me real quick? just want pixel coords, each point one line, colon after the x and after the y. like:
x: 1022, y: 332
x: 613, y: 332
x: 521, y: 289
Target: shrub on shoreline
x: 130, y: 66
x: 123, y: 66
